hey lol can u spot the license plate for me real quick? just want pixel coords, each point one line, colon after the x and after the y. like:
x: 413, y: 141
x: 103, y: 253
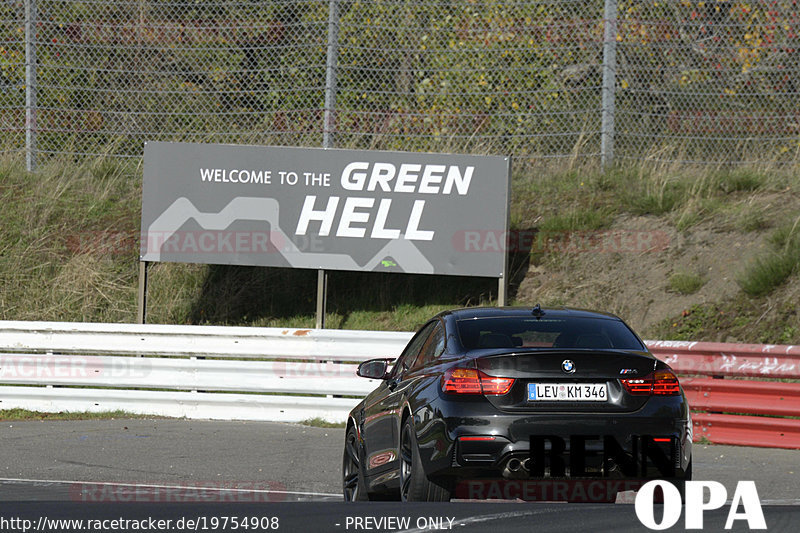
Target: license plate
x: 567, y: 392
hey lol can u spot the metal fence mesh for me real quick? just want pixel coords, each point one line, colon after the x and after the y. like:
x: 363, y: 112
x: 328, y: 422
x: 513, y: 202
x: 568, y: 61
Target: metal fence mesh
x: 716, y: 80
x: 471, y: 76
x: 112, y: 74
x: 12, y: 77
x: 709, y: 81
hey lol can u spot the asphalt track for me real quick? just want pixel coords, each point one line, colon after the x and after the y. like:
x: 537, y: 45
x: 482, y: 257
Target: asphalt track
x: 158, y: 464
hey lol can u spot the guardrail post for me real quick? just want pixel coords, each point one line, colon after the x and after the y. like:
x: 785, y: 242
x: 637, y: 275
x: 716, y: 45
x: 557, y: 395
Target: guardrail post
x: 30, y: 85
x: 609, y: 82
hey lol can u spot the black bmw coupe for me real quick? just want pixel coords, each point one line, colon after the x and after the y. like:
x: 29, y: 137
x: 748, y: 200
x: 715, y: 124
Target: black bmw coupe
x: 501, y: 397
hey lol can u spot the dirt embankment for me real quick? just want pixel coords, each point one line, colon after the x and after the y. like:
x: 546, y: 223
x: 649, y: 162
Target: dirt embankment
x: 619, y: 273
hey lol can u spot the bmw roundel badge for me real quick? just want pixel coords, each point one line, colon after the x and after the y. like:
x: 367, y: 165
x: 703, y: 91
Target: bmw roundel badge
x: 568, y: 366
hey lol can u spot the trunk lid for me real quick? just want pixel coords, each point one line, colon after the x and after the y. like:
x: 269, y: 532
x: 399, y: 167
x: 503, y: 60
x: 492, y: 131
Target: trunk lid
x: 559, y: 378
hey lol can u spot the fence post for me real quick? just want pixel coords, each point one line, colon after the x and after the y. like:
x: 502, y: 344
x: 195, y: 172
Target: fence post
x: 328, y: 130
x: 330, y: 74
x: 609, y: 82
x: 30, y: 85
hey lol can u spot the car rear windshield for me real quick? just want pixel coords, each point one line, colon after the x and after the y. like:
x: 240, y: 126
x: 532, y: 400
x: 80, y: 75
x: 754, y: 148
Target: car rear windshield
x: 555, y: 332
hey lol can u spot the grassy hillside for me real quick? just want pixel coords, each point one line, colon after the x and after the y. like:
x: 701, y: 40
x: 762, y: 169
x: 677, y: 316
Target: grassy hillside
x: 680, y: 253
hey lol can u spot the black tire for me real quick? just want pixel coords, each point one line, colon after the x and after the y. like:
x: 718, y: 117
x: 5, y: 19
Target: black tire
x: 414, y: 484
x: 354, y: 486
x: 677, y: 482
x: 680, y: 484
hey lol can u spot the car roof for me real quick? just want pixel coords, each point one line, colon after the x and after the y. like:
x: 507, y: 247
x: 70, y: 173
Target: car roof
x: 498, y: 312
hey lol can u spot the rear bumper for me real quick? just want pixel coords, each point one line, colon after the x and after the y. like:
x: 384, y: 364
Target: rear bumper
x: 474, y: 440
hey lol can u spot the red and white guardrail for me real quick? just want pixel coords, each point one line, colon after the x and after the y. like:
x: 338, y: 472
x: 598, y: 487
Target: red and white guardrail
x: 744, y: 394
x: 740, y: 393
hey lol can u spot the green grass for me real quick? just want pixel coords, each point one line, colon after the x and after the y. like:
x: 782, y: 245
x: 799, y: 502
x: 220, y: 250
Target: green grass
x: 737, y: 319
x: 697, y: 210
x: 655, y: 203
x: 787, y: 236
x: 692, y: 323
x: 319, y: 422
x: 578, y: 220
x: 685, y: 282
x: 769, y: 271
x: 588, y: 198
x: 703, y: 441
x: 24, y: 414
x: 752, y: 218
x: 68, y: 241
x: 654, y: 195
x: 741, y: 180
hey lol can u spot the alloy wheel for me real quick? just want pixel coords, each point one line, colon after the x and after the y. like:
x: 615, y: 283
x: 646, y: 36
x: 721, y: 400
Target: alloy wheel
x: 351, y: 469
x: 406, y: 462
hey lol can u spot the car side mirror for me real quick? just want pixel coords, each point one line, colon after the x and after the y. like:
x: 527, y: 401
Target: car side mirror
x: 374, y: 369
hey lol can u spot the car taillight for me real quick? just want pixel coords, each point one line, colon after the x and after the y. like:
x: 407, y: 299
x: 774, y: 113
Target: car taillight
x: 665, y: 383
x: 462, y: 381
x: 659, y: 383
x: 471, y: 381
x: 638, y: 387
x: 493, y: 385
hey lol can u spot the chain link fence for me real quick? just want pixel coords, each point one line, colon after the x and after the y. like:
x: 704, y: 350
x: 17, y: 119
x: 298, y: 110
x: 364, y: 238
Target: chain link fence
x: 675, y: 80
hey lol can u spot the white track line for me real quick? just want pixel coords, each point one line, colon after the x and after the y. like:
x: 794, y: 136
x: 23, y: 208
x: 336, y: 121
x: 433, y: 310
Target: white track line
x: 487, y: 518
x: 777, y: 502
x: 156, y: 486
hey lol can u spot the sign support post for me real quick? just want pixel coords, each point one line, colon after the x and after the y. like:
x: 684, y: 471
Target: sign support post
x: 502, y: 281
x: 322, y: 297
x: 141, y: 311
x: 502, y: 287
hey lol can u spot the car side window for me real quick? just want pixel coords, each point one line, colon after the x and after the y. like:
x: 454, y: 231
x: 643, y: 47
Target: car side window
x: 409, y: 355
x: 432, y: 349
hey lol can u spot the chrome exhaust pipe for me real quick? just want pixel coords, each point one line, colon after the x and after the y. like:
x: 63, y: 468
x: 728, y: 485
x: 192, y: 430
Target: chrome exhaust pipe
x: 526, y: 464
x: 612, y: 469
x: 513, y: 469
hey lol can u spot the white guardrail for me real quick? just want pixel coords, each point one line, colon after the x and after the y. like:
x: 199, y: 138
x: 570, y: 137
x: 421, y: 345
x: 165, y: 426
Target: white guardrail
x: 210, y: 372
